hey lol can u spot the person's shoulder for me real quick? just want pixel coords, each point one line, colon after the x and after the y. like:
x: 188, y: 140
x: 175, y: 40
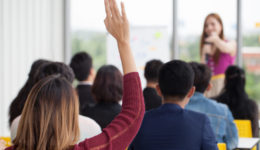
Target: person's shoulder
x: 252, y: 104
x: 194, y: 113
x: 195, y: 118
x: 88, y: 122
x: 219, y: 108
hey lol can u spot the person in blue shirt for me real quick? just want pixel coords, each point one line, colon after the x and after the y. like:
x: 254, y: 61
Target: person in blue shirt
x: 220, y: 116
x: 171, y: 127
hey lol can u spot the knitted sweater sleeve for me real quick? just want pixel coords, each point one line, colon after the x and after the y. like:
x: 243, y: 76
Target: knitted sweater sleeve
x: 121, y: 131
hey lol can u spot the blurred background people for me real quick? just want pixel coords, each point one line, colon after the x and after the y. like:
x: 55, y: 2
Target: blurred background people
x: 107, y: 90
x: 81, y: 64
x: 220, y: 117
x: 17, y: 104
x: 151, y: 73
x: 88, y: 127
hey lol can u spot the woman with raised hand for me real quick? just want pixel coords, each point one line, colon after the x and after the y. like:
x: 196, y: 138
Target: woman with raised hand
x: 49, y: 119
x: 215, y: 51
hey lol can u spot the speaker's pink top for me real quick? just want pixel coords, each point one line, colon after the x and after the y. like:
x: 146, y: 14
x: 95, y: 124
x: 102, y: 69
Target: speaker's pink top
x: 225, y: 60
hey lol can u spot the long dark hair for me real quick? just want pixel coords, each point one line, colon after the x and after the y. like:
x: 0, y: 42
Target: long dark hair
x: 234, y: 93
x: 204, y: 35
x: 17, y: 104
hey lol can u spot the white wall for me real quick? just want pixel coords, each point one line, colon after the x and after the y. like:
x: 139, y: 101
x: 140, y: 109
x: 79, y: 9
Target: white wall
x: 29, y: 29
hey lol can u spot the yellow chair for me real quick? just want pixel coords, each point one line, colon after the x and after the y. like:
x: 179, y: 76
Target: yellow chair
x: 222, y: 146
x: 7, y: 140
x: 244, y: 129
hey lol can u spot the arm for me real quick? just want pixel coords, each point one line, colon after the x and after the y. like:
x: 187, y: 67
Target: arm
x: 209, y: 141
x: 121, y: 131
x: 223, y: 46
x: 231, y: 138
x: 206, y: 49
x: 118, y: 27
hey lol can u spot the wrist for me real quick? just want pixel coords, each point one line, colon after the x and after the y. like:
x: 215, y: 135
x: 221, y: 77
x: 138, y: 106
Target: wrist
x: 123, y: 42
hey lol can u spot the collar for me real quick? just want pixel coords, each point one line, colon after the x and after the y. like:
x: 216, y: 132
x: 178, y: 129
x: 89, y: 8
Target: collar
x: 171, y: 106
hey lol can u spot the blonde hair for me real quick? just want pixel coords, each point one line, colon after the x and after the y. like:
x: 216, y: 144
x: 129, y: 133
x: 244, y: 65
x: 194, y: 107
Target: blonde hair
x: 204, y: 35
x: 49, y: 119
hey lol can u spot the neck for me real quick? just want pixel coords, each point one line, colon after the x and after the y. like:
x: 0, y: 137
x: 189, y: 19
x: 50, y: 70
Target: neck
x: 181, y: 103
x: 151, y: 84
x: 89, y: 79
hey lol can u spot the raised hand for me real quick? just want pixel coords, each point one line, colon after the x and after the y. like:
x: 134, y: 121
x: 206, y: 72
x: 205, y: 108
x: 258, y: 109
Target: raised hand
x: 117, y: 24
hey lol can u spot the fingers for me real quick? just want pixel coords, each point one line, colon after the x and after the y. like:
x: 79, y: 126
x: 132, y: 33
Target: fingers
x: 123, y: 10
x: 114, y: 9
x: 107, y: 8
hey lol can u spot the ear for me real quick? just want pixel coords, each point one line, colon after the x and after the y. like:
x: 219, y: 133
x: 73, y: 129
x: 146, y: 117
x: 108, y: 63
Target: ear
x: 158, y: 90
x: 191, y: 92
x: 209, y: 87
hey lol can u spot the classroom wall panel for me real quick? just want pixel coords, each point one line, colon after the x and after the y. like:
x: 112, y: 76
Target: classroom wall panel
x: 29, y: 30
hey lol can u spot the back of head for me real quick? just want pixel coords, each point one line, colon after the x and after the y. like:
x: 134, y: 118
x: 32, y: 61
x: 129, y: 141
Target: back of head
x: 175, y: 79
x: 56, y: 68
x: 234, y: 77
x: 202, y: 76
x: 81, y: 63
x: 50, y: 117
x: 17, y: 104
x: 151, y: 71
x: 234, y: 90
x: 107, y: 86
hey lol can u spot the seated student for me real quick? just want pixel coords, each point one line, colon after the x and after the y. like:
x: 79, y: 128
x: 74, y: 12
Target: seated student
x: 107, y: 91
x: 220, y: 117
x: 65, y: 71
x: 81, y: 64
x: 17, y: 104
x: 171, y: 127
x: 151, y: 72
x: 49, y: 119
x: 235, y: 96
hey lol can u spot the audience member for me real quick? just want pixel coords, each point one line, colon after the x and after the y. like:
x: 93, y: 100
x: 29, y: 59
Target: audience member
x: 17, y: 104
x: 49, y: 120
x: 107, y: 91
x: 171, y: 127
x: 235, y: 96
x: 220, y: 117
x: 81, y: 64
x: 62, y: 70
x: 151, y: 72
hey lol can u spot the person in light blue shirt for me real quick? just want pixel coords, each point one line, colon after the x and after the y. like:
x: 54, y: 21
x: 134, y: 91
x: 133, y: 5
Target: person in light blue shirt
x: 220, y: 116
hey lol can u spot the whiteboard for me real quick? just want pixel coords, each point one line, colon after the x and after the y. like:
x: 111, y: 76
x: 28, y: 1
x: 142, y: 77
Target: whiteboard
x: 147, y: 42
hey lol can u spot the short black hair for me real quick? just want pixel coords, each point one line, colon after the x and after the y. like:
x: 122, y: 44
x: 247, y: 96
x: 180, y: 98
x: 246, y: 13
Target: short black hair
x: 81, y: 64
x: 108, y: 84
x: 176, y: 79
x: 54, y: 68
x: 151, y: 71
x: 202, y: 76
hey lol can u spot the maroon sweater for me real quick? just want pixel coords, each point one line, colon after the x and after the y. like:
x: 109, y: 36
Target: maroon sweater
x: 121, y: 131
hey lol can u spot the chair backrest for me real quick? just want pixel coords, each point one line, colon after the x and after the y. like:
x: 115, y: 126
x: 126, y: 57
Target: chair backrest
x: 7, y: 140
x: 222, y: 146
x: 244, y: 128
